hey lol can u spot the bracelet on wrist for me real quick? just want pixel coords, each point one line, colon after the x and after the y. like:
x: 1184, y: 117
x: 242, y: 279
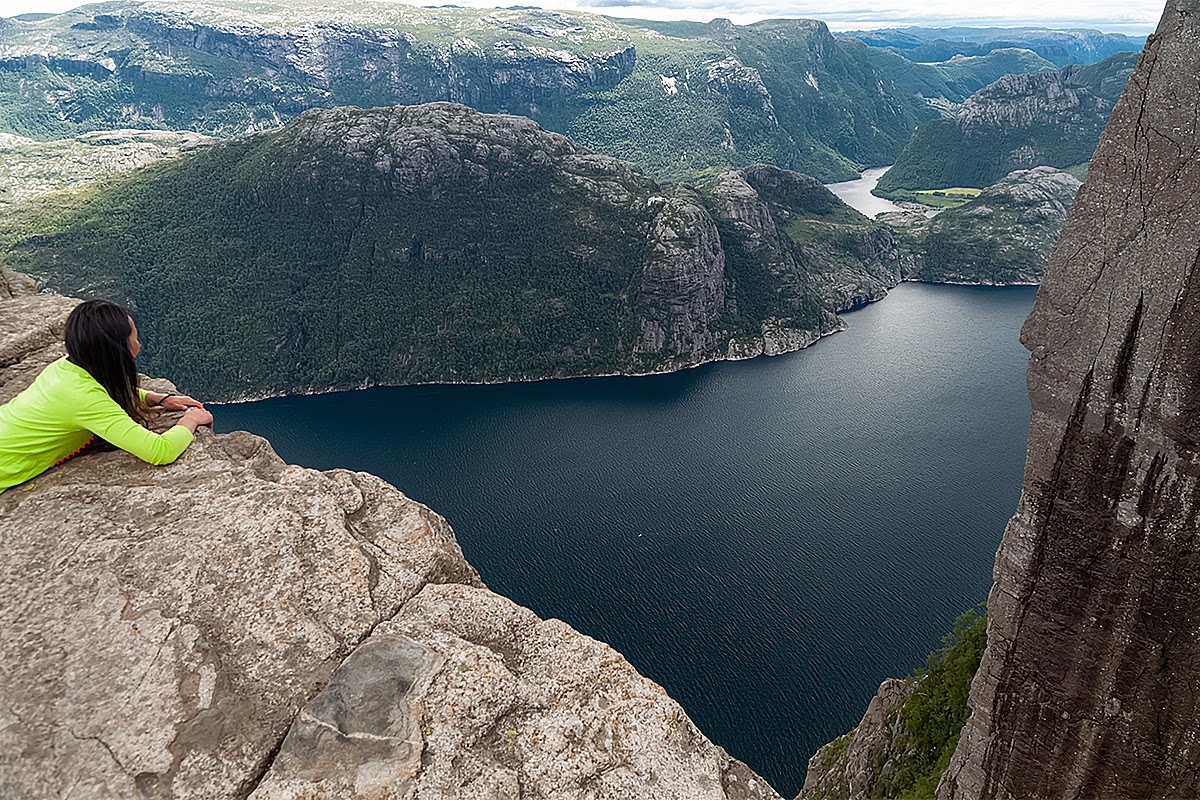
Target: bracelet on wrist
x: 163, y: 399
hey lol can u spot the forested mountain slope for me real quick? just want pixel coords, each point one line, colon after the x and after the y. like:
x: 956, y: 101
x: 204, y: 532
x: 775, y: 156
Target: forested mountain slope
x: 435, y: 243
x: 1003, y: 236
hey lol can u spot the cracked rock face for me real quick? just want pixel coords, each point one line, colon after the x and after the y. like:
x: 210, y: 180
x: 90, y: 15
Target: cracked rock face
x: 682, y: 287
x: 231, y: 626
x: 1088, y: 684
x: 504, y: 705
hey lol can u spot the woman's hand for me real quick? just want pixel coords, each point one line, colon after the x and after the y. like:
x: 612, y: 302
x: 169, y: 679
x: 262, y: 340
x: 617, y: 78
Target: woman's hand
x: 181, y: 402
x: 196, y: 416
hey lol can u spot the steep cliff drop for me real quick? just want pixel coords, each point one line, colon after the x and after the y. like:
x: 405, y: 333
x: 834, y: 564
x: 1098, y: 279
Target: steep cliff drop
x: 232, y: 626
x: 1088, y: 686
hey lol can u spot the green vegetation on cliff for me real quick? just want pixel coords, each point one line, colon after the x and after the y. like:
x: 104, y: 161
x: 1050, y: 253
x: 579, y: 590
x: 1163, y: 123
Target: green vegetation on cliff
x: 683, y: 113
x: 905, y: 741
x: 932, y: 718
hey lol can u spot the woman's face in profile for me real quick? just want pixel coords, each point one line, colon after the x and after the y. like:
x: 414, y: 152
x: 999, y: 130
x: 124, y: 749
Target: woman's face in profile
x: 134, y: 344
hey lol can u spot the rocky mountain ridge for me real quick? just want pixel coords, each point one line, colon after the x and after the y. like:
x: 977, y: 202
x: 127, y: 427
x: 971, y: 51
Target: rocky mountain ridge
x: 1003, y: 236
x: 234, y: 626
x: 681, y: 102
x: 943, y: 85
x: 29, y: 168
x: 1020, y: 121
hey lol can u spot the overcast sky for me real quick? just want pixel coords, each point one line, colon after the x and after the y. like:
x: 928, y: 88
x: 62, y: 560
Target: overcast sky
x: 1121, y: 16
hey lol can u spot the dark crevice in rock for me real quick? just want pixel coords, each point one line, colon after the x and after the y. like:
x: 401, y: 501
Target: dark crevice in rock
x: 250, y: 784
x: 1150, y: 484
x: 365, y: 546
x: 1118, y: 471
x: 1125, y: 356
x: 103, y: 744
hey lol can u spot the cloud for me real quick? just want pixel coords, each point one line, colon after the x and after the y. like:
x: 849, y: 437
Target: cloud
x: 1138, y: 16
x: 1118, y: 16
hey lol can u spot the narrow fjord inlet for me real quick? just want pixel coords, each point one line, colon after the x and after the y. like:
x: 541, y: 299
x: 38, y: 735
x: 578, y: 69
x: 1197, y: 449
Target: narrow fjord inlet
x: 767, y: 539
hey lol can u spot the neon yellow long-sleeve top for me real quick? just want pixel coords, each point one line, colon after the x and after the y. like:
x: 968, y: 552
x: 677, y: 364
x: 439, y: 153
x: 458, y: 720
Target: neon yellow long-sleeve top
x: 60, y: 412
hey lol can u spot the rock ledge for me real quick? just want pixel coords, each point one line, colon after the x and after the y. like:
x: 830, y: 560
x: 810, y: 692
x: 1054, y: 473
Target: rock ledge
x: 234, y: 626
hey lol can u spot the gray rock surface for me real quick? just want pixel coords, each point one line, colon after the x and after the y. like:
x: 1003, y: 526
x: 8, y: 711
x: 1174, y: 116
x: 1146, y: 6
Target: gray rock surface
x: 1087, y: 688
x: 231, y: 626
x: 682, y: 288
x: 738, y: 204
x: 1022, y: 101
x: 849, y: 767
x: 29, y: 168
x: 500, y: 704
x: 31, y: 331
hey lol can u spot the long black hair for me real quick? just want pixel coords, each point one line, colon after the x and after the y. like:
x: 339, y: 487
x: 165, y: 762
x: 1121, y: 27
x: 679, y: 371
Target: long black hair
x: 98, y: 340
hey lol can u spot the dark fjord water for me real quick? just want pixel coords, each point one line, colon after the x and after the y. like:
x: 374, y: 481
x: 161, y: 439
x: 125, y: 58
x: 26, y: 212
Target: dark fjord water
x: 767, y: 539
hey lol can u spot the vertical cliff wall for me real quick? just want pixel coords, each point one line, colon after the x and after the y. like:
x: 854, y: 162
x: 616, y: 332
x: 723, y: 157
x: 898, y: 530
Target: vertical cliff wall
x: 1088, y: 687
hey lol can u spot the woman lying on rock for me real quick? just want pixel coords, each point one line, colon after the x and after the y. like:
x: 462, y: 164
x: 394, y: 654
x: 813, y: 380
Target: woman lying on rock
x: 88, y: 394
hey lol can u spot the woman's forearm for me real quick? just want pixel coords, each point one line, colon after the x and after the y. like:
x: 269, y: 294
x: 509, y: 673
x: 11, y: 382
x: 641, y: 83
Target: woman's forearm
x: 195, y: 417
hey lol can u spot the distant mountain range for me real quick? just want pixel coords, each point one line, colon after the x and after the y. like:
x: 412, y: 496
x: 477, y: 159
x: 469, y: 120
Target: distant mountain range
x: 413, y: 242
x: 1020, y: 121
x: 1062, y: 47
x: 683, y: 100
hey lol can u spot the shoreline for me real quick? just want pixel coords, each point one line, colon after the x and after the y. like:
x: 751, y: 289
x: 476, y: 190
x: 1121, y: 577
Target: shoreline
x: 504, y: 381
x: 818, y: 336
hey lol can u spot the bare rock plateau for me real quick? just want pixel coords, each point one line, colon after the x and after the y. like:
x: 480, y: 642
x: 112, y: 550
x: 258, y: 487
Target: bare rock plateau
x: 233, y: 626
